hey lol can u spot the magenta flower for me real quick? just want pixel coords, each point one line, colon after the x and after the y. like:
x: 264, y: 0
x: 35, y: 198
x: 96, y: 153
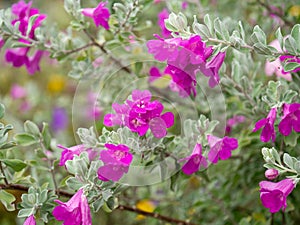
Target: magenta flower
x: 290, y: 59
x: 290, y: 119
x: 69, y: 153
x: 116, y: 159
x: 141, y: 114
x: 164, y: 14
x: 33, y: 62
x: 17, y: 92
x: 30, y: 220
x: 276, y: 66
x: 188, y: 57
x: 2, y: 42
x: 220, y: 148
x: 100, y: 14
x: 59, y: 119
x: 235, y: 120
x: 268, y: 131
x: 195, y: 161
x: 273, y: 195
x: 19, y: 56
x: 75, y: 211
x: 271, y: 174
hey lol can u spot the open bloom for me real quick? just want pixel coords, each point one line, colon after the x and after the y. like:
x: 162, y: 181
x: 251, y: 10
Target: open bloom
x: 290, y: 119
x: 116, y: 159
x: 100, y: 15
x: 141, y: 114
x: 220, y: 148
x: 268, y: 131
x: 273, y: 195
x: 195, y: 161
x: 30, y: 220
x: 69, y: 153
x: 75, y: 211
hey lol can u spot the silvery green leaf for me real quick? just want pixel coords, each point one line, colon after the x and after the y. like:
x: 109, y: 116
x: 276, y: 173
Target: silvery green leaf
x: 2, y: 110
x: 295, y: 33
x: 289, y: 96
x: 291, y: 139
x: 31, y: 22
x: 288, y: 160
x: 291, y: 66
x: 31, y: 128
x: 275, y: 155
x: 200, y: 29
x: 7, y: 200
x: 221, y: 29
x: 25, y: 139
x: 258, y: 36
x: 241, y: 30
x: 291, y: 45
x: 208, y: 23
x: 26, y: 212
x: 279, y: 37
x: 262, y: 49
x: 297, y: 166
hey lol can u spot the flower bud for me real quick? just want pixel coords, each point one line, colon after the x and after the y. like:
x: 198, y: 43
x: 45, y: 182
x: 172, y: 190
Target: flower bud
x: 271, y: 174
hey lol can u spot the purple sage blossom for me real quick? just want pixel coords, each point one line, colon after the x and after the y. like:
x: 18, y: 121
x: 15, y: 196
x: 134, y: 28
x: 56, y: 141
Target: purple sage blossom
x: 141, y: 114
x: 17, y: 92
x: 30, y: 220
x: 2, y: 42
x: 59, y: 119
x: 235, y: 120
x: 290, y: 119
x: 273, y: 195
x: 290, y: 59
x: 220, y: 148
x: 33, y: 62
x: 116, y: 159
x: 100, y: 14
x: 75, y: 211
x: 69, y: 153
x: 164, y: 14
x: 195, y: 161
x: 271, y: 174
x: 268, y: 132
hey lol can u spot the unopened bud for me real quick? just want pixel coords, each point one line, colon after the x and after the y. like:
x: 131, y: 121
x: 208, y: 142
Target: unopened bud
x: 271, y: 174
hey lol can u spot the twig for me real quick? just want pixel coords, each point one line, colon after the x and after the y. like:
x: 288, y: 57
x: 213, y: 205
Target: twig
x: 68, y: 52
x: 2, y: 171
x: 154, y: 215
x: 101, y: 47
x: 271, y: 11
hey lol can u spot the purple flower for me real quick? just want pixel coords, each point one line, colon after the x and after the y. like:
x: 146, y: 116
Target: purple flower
x: 273, y: 195
x: 290, y: 59
x: 235, y: 120
x: 2, y: 42
x: 140, y: 114
x: 220, y: 148
x: 17, y: 92
x: 59, y: 120
x: 184, y: 5
x: 17, y: 56
x: 290, y: 119
x: 268, y: 131
x: 30, y: 220
x: 100, y: 14
x: 164, y: 14
x: 271, y: 174
x: 33, y: 62
x: 69, y: 153
x: 75, y: 211
x: 195, y: 161
x: 116, y: 159
x: 212, y: 68
x: 188, y: 57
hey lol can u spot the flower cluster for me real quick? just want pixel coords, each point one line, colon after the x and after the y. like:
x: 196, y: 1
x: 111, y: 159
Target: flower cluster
x: 289, y: 121
x: 220, y: 148
x: 19, y: 56
x: 116, y: 159
x: 140, y: 113
x: 185, y: 58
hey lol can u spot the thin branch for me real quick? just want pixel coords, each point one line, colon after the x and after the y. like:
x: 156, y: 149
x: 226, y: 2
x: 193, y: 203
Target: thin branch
x: 154, y: 215
x: 2, y: 171
x: 101, y: 47
x: 68, y: 52
x: 251, y: 48
x: 271, y: 11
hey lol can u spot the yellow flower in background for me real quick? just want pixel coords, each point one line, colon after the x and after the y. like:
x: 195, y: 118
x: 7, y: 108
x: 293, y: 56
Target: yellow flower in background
x: 56, y: 83
x: 145, y: 205
x: 295, y: 10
